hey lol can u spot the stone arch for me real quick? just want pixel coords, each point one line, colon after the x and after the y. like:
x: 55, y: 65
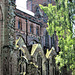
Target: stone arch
x: 33, y: 42
x: 23, y: 45
x: 51, y: 56
x: 36, y: 52
x: 37, y: 11
x: 23, y: 54
x: 18, y: 35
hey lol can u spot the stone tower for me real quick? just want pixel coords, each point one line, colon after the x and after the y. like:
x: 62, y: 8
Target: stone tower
x: 7, y: 9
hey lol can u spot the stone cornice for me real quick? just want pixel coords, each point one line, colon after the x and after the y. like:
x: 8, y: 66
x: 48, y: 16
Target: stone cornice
x: 20, y: 15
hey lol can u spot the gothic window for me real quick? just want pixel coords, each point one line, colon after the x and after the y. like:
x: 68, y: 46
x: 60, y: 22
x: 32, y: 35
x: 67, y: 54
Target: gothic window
x: 38, y: 13
x: 37, y: 30
x: 20, y: 25
x: 52, y: 41
x: 31, y: 28
x: 37, y: 9
x: 46, y: 39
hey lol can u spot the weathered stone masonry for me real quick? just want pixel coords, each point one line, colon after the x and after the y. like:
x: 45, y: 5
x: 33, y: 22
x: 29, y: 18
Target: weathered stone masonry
x: 38, y: 63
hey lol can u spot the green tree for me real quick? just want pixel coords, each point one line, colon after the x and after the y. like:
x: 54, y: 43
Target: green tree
x: 61, y: 19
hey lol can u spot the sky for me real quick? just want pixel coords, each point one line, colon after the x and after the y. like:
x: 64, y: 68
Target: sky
x: 21, y: 5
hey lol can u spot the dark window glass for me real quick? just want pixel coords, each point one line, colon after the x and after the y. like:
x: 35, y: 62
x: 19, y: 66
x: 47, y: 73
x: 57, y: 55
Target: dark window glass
x: 37, y: 9
x: 20, y: 53
x: 37, y: 31
x: 31, y: 28
x: 19, y: 24
x: 47, y: 39
x: 20, y: 67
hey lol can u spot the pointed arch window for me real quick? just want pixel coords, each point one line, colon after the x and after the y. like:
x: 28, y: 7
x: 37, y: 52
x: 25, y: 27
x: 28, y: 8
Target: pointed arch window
x: 37, y: 9
x: 20, y: 24
x: 47, y: 39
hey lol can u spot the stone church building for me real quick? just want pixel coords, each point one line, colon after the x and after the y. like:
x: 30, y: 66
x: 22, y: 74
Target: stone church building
x: 25, y: 46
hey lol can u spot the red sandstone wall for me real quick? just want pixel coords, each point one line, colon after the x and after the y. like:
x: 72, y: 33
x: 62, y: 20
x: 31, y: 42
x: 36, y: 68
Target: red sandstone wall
x: 39, y: 1
x: 23, y: 23
x: 31, y: 5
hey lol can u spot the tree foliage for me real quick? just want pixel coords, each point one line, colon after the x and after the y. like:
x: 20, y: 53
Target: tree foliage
x: 60, y: 19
